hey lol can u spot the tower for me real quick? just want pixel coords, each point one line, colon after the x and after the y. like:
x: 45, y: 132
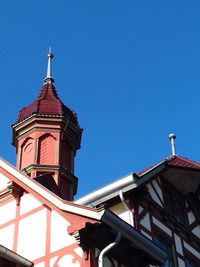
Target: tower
x: 46, y: 136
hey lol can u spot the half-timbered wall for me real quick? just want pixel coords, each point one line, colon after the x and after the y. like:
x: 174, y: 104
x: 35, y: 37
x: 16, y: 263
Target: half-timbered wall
x: 152, y: 220
x: 38, y: 233
x: 156, y: 224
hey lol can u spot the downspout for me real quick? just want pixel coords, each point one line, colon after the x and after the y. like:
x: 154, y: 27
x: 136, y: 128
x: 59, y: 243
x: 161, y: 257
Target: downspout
x: 106, y: 249
x: 126, y: 205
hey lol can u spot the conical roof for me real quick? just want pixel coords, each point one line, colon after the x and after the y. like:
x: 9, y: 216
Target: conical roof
x: 47, y: 103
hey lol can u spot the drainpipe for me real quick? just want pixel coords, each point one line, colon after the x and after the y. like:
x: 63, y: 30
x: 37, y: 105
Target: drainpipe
x: 106, y: 249
x: 126, y: 205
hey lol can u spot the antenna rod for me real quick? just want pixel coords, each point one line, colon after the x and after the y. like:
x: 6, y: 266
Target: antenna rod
x: 172, y: 138
x: 49, y: 66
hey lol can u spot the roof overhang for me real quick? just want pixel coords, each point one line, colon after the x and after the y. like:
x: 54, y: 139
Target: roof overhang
x: 125, y: 184
x: 183, y: 179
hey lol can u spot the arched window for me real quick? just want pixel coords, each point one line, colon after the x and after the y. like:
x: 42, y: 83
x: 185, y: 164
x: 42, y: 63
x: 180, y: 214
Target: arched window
x: 27, y: 153
x: 47, y: 150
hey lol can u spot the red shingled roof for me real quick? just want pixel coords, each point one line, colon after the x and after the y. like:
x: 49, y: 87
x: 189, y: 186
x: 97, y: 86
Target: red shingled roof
x: 47, y: 103
x: 177, y: 161
x: 174, y: 161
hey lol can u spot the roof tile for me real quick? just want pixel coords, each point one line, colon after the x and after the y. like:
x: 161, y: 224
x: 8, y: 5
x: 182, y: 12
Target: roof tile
x: 47, y: 103
x: 178, y: 161
x: 174, y: 161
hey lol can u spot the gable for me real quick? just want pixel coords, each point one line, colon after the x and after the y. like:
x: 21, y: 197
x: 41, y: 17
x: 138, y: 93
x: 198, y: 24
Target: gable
x: 38, y: 232
x: 35, y: 223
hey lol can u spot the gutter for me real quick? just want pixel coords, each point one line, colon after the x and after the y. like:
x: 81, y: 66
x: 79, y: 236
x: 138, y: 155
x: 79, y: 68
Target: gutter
x: 106, y: 191
x: 127, y: 183
x: 137, y: 240
x: 14, y: 257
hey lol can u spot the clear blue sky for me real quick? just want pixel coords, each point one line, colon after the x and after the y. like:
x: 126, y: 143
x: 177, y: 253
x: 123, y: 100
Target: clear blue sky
x: 130, y: 69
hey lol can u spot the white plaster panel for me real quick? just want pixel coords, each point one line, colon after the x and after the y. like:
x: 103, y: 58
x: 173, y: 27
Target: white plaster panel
x: 162, y: 226
x: 3, y: 181
x: 42, y: 264
x: 28, y: 203
x: 59, y: 236
x: 126, y: 216
x: 7, y: 212
x: 52, y: 261
x: 146, y: 221
x: 69, y: 261
x: 79, y: 252
x: 178, y: 244
x: 192, y: 250
x: 7, y: 235
x: 196, y: 231
x: 140, y: 209
x: 145, y: 234
x: 181, y: 263
x: 153, y: 194
x: 158, y: 189
x: 191, y: 217
x: 32, y: 231
x: 121, y: 211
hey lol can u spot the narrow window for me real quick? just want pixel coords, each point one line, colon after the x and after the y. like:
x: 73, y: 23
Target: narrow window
x: 174, y: 204
x: 47, y: 150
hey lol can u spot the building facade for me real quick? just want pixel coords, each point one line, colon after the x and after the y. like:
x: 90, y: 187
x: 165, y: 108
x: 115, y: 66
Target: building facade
x: 162, y: 203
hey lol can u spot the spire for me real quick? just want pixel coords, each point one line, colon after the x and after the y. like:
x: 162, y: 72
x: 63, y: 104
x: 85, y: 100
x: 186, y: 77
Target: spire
x: 49, y: 77
x: 48, y: 102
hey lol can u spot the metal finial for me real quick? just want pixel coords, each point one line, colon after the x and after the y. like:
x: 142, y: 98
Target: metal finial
x: 49, y: 66
x: 172, y: 138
